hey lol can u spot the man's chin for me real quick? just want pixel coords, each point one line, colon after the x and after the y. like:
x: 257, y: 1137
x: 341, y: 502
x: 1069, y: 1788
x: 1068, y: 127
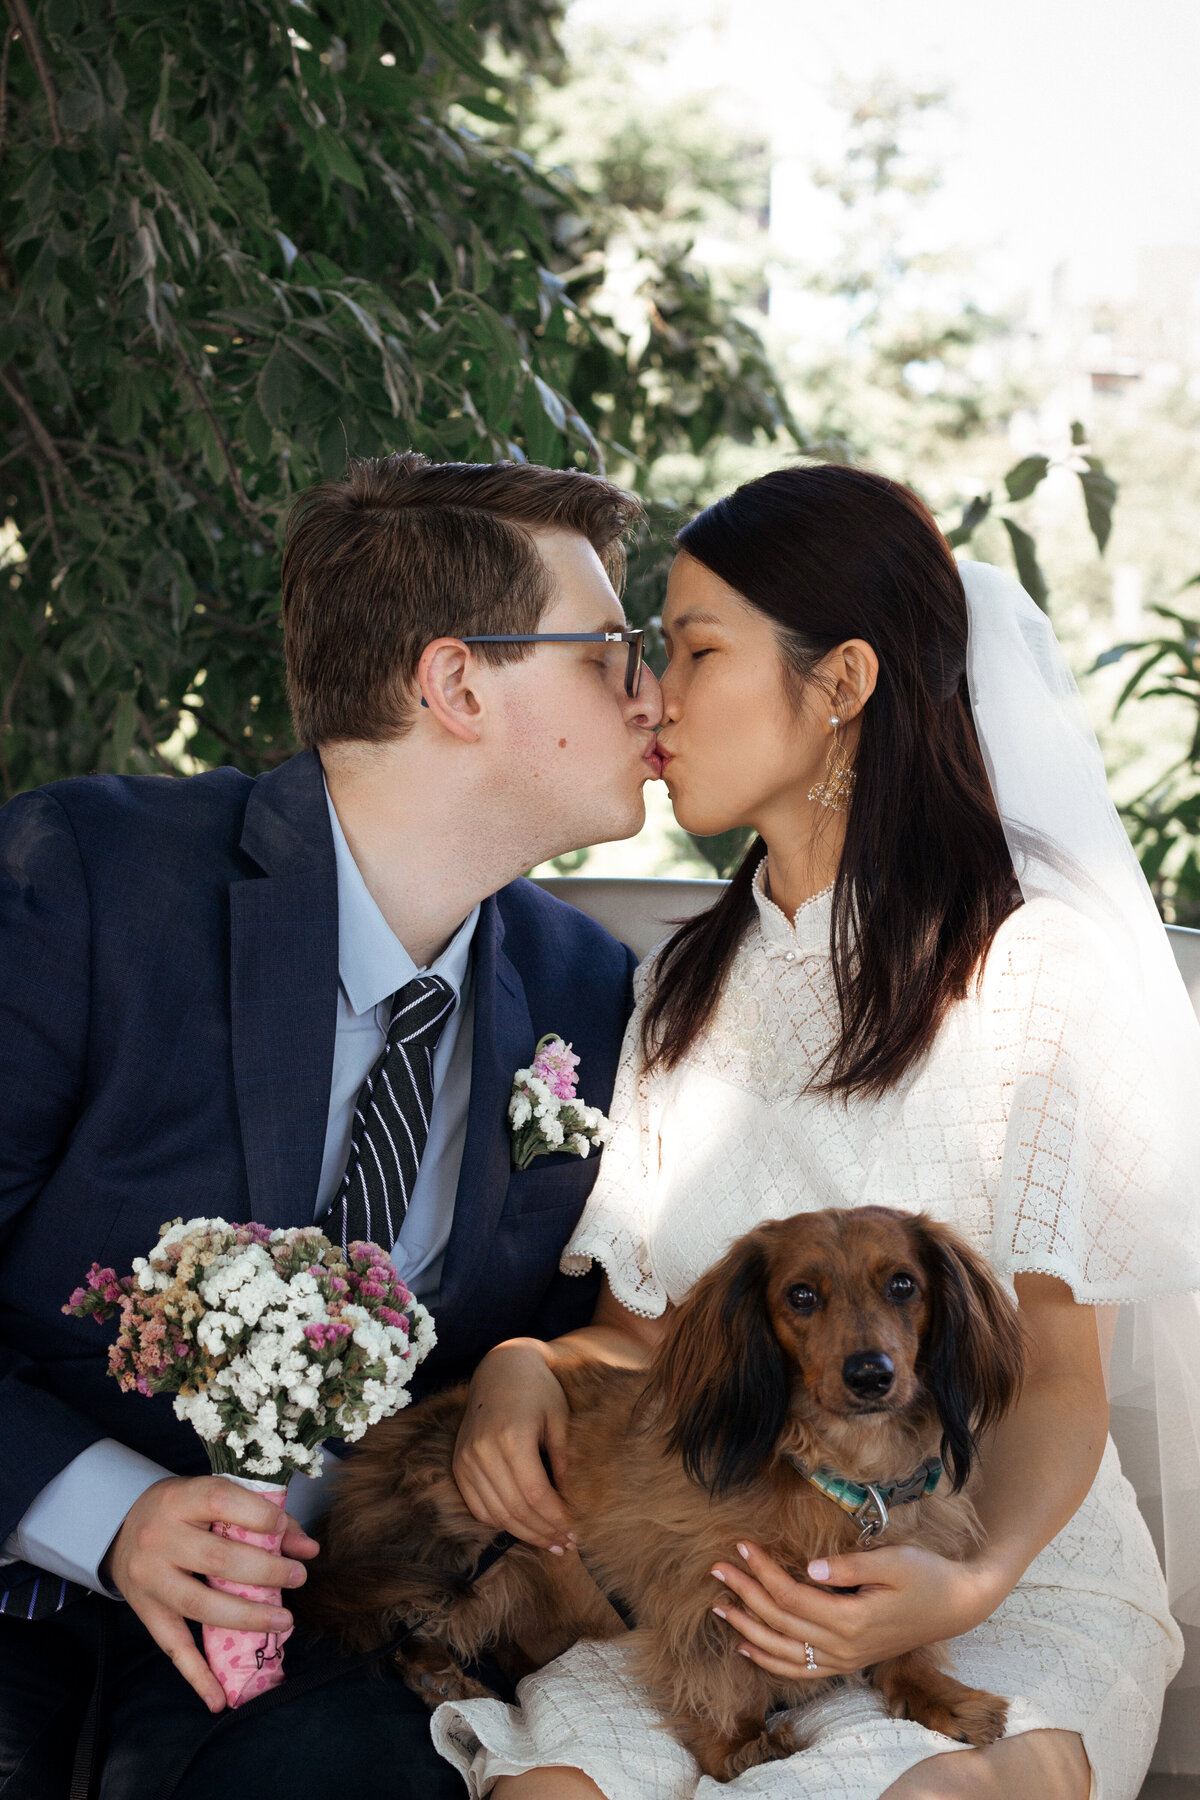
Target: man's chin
x: 615, y: 827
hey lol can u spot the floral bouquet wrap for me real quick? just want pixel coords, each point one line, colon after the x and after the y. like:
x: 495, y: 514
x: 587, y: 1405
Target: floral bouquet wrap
x: 271, y: 1342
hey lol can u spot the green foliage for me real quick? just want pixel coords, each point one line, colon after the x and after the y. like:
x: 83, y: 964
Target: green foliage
x: 241, y: 242
x: 1023, y: 480
x: 1164, y: 820
x: 725, y: 850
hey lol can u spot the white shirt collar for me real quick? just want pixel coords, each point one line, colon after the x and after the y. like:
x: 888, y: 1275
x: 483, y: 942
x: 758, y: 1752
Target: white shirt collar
x: 805, y: 935
x: 372, y: 962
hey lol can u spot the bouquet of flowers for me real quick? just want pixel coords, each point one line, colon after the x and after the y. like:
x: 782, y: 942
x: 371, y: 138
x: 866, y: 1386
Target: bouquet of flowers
x: 271, y: 1342
x: 543, y: 1109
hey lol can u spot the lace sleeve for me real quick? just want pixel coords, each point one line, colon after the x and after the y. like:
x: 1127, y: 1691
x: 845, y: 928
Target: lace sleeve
x: 1087, y: 1178
x: 614, y: 1228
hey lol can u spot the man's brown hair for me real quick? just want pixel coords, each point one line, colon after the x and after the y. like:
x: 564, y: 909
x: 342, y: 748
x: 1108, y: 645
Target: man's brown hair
x: 405, y: 550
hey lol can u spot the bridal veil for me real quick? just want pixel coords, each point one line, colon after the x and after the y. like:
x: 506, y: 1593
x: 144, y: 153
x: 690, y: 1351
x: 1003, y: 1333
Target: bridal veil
x: 1133, y: 1195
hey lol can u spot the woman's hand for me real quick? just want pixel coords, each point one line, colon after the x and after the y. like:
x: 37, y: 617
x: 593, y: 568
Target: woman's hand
x: 905, y: 1597
x: 516, y: 1411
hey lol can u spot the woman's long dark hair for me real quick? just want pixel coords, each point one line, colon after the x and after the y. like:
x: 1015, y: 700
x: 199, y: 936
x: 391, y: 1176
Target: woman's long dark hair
x: 830, y: 553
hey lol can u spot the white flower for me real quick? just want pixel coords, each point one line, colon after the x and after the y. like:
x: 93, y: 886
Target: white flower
x: 422, y: 1335
x: 201, y: 1413
x: 543, y: 1121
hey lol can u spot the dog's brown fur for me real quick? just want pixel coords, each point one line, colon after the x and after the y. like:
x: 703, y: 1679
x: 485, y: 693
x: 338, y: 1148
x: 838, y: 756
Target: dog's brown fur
x: 668, y: 1470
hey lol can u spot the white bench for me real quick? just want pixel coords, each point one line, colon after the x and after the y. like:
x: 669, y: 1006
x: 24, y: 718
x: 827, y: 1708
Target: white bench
x: 641, y: 914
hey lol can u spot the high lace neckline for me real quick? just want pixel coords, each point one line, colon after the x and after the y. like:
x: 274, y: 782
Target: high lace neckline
x: 806, y: 935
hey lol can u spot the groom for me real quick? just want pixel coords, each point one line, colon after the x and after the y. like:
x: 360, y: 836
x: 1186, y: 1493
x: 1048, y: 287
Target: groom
x: 198, y: 975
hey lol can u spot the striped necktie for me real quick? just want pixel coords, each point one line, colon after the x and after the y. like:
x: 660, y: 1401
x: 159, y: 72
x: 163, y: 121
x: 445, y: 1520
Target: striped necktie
x: 391, y: 1119
x: 29, y: 1593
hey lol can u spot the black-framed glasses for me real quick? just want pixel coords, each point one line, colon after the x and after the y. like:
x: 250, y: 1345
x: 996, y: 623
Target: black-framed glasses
x: 632, y: 637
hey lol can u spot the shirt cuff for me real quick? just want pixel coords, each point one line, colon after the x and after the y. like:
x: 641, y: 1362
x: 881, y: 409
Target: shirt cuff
x: 69, y: 1527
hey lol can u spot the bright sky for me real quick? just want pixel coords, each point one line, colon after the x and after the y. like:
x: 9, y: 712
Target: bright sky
x: 1074, y: 132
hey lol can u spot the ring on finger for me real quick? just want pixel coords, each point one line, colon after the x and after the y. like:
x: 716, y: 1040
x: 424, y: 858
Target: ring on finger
x: 810, y: 1658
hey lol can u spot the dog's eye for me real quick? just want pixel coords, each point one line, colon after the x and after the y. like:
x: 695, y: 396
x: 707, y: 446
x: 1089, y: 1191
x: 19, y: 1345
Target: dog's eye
x: 801, y: 1298
x: 901, y: 1287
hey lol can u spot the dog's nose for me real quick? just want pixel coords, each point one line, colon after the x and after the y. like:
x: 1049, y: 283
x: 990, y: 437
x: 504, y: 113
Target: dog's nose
x: 868, y: 1373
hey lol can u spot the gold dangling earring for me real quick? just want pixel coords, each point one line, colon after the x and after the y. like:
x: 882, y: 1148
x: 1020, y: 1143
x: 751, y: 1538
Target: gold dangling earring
x: 838, y: 786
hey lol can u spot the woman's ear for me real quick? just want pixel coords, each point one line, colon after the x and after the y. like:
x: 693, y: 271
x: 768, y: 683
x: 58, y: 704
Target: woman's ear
x: 851, y: 672
x: 721, y: 1377
x: 973, y: 1356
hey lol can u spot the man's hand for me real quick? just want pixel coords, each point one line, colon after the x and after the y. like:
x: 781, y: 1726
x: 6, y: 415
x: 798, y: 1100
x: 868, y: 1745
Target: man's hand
x: 165, y: 1543
x: 515, y: 1411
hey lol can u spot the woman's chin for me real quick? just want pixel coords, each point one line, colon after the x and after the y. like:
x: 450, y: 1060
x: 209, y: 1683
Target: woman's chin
x: 699, y: 823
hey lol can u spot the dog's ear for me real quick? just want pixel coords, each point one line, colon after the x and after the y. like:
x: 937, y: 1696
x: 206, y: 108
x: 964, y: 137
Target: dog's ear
x: 721, y: 1378
x: 973, y: 1356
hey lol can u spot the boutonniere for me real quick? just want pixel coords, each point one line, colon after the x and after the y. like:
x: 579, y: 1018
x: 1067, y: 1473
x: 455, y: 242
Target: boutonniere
x: 544, y: 1110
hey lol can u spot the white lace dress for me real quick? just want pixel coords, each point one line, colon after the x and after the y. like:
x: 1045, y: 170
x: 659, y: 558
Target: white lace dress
x: 991, y: 1133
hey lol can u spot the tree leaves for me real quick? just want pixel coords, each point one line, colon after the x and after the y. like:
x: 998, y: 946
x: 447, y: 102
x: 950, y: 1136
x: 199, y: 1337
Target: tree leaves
x: 1025, y: 476
x: 1020, y: 482
x: 231, y: 260
x: 1099, y: 496
x: 78, y: 108
x: 974, y: 513
x: 1029, y: 573
x: 279, y: 385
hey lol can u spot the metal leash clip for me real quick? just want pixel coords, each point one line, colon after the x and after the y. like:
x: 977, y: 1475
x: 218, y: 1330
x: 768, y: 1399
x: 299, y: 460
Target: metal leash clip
x: 872, y: 1515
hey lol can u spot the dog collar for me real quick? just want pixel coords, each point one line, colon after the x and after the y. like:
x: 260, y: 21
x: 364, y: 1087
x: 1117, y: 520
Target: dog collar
x: 870, y: 1502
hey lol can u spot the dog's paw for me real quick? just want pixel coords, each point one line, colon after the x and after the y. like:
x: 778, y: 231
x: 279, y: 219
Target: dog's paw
x: 434, y: 1675
x: 781, y: 1738
x: 974, y: 1717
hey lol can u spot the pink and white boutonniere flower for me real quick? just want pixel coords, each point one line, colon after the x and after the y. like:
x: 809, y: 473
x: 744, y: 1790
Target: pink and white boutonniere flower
x: 544, y: 1110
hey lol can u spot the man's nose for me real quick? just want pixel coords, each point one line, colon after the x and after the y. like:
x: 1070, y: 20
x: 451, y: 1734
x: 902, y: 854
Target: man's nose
x: 648, y: 704
x: 868, y: 1373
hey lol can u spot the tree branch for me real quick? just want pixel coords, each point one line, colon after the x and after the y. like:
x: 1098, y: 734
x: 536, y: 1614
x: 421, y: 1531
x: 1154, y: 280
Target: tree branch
x: 9, y: 35
x: 60, y: 561
x: 5, y: 722
x: 244, y: 504
x: 15, y: 389
x: 22, y: 18
x: 203, y: 496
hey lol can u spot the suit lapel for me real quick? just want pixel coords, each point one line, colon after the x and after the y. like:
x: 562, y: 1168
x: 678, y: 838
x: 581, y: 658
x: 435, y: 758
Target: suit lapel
x: 503, y: 1042
x: 283, y: 990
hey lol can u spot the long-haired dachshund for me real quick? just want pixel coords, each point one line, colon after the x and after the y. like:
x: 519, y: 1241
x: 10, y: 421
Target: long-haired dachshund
x: 803, y: 1396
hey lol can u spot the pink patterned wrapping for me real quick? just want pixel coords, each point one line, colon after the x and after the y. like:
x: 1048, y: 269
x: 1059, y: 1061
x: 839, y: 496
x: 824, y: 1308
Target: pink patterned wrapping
x: 247, y: 1663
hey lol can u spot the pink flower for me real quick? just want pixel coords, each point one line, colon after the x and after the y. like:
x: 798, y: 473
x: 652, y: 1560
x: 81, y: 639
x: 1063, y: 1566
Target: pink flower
x: 252, y: 1233
x: 326, y: 1336
x: 555, y: 1064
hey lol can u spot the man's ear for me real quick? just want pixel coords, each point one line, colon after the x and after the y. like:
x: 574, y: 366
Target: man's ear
x: 446, y: 679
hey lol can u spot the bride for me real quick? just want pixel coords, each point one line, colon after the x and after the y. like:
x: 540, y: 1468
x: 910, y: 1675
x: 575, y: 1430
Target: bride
x: 936, y: 982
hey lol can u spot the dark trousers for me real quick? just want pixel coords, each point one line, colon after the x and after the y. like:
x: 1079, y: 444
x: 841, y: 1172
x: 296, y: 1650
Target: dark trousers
x: 362, y: 1733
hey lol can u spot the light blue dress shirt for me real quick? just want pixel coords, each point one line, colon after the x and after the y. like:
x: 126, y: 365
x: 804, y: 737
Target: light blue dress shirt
x: 75, y: 1518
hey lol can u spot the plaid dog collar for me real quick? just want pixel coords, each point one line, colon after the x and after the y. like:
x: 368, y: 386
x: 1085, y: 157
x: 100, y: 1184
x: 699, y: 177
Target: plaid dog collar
x: 870, y: 1502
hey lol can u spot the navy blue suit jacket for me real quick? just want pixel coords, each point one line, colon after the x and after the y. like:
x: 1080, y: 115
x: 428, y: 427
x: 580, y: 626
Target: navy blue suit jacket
x: 168, y: 987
